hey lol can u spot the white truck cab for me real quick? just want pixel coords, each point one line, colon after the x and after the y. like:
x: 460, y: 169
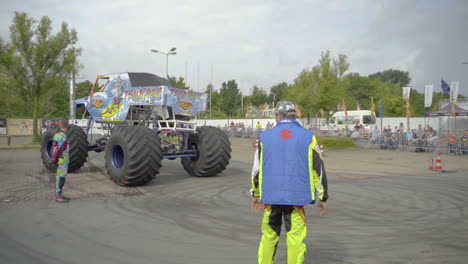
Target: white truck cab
x: 339, y: 119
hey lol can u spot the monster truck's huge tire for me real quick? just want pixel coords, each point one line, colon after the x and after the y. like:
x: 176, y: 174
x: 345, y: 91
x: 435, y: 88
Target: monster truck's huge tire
x: 213, y: 149
x: 46, y: 148
x: 78, y: 144
x: 133, y: 155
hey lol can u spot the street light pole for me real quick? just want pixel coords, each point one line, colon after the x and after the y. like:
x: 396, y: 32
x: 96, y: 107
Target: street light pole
x: 167, y: 66
x: 171, y: 52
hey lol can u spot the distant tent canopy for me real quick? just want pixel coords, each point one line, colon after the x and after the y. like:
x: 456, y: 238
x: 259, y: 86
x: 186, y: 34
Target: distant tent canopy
x: 447, y: 111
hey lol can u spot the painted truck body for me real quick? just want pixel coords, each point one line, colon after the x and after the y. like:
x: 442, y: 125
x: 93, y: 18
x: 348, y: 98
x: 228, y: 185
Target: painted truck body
x: 113, y: 95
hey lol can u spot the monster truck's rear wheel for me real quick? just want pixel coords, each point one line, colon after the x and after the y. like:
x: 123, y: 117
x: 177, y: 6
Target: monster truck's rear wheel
x: 78, y: 144
x: 133, y: 155
x: 213, y: 152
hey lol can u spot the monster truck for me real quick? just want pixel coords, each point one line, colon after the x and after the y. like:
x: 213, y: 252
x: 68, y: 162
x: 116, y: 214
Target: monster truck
x: 139, y: 119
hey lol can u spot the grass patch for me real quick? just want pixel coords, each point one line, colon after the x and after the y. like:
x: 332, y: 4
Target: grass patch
x: 332, y: 143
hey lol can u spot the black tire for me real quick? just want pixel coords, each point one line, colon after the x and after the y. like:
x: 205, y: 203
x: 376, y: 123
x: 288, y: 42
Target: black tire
x: 214, y: 152
x: 133, y: 155
x: 46, y: 145
x: 78, y: 147
x: 78, y: 142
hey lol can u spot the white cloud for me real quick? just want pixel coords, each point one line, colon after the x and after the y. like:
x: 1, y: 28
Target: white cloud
x: 261, y: 42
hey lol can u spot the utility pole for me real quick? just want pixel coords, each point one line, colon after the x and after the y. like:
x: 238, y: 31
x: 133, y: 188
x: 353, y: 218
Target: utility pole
x: 171, y: 52
x: 72, y: 95
x: 211, y: 87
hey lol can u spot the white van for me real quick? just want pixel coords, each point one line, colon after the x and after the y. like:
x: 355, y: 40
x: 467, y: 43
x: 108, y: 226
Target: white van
x: 339, y: 119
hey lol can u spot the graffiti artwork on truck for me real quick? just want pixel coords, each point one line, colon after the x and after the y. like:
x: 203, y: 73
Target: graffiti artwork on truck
x: 116, y: 93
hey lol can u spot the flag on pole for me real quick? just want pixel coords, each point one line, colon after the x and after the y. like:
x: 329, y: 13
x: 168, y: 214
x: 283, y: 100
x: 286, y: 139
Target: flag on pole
x: 452, y: 105
x: 381, y: 108
x: 358, y: 106
x: 445, y: 87
x: 408, y: 109
x: 454, y: 91
x: 406, y: 93
x: 428, y: 91
x: 344, y: 108
x: 372, y: 107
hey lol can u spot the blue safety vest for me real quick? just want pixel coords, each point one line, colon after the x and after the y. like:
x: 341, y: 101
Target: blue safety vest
x: 286, y: 175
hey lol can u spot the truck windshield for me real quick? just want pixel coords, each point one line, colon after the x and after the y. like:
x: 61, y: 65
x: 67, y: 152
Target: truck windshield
x: 102, y: 84
x: 368, y: 120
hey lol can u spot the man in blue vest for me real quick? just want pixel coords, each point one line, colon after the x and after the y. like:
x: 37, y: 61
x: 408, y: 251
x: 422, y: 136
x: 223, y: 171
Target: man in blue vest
x: 288, y: 173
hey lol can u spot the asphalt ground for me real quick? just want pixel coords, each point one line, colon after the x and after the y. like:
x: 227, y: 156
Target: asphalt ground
x: 384, y: 207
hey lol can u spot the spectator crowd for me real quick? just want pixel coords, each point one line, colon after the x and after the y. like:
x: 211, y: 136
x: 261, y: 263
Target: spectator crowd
x: 420, y: 139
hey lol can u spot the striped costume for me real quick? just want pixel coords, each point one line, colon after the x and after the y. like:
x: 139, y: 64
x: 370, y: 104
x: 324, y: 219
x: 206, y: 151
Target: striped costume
x: 60, y: 154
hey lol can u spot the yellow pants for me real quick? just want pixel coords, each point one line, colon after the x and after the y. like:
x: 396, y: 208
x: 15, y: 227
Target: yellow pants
x: 296, y: 232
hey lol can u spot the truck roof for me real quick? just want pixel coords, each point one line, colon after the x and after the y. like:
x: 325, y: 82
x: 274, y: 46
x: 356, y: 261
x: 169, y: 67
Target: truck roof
x: 141, y: 79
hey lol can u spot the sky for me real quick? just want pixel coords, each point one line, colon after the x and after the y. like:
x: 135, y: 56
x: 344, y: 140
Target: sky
x: 261, y: 42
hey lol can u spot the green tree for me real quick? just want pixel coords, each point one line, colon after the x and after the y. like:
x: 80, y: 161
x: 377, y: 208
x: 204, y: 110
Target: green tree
x: 83, y: 89
x: 11, y: 104
x: 401, y: 78
x: 230, y: 100
x: 258, y: 97
x: 277, y: 92
x: 35, y: 58
x: 55, y: 102
x: 178, y: 83
x: 321, y: 87
x: 435, y: 100
x: 417, y: 103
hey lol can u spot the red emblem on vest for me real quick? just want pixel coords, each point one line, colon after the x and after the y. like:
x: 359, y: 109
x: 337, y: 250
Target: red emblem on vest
x: 286, y: 134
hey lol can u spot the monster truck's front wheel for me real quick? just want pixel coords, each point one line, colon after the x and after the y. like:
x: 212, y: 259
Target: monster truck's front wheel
x: 78, y: 142
x: 133, y: 155
x: 46, y: 148
x: 78, y: 147
x: 213, y: 152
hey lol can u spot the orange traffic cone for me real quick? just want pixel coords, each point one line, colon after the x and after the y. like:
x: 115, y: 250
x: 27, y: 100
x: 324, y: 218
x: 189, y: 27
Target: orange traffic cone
x: 431, y: 163
x: 438, y: 163
x: 322, y: 151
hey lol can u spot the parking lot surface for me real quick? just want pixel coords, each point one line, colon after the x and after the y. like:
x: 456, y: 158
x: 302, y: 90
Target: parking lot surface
x: 385, y: 207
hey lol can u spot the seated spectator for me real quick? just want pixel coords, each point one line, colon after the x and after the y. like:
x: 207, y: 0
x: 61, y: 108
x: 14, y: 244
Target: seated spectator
x: 331, y: 128
x: 357, y: 126
x: 464, y: 142
x: 420, y: 132
x: 388, y: 129
x: 355, y: 134
x: 411, y: 136
x: 375, y: 135
x: 452, y: 142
